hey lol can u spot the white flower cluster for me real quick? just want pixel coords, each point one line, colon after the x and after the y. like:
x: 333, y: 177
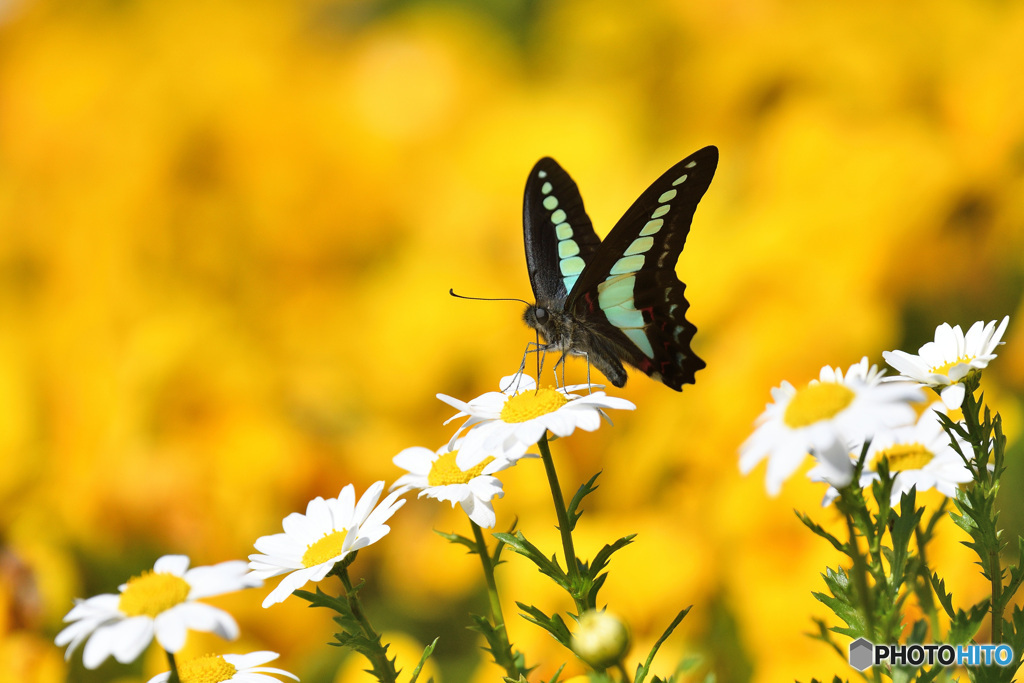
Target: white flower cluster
x: 833, y: 417
x: 500, y: 429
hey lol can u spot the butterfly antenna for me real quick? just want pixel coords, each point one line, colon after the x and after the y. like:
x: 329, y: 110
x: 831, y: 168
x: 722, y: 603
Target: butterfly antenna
x: 484, y: 298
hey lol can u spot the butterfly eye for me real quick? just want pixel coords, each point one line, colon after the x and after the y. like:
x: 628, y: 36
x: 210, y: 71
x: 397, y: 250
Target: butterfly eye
x: 542, y: 315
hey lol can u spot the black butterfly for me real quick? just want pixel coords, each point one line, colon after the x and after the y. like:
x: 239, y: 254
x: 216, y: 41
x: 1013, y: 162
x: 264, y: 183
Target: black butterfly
x: 619, y: 300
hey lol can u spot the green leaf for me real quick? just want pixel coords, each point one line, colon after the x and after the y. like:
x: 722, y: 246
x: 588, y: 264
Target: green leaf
x: 574, y: 504
x: 427, y: 651
x: 901, y: 533
x: 642, y: 671
x: 824, y: 634
x: 843, y: 604
x: 553, y: 624
x: 945, y: 599
x: 518, y: 543
x: 964, y: 625
x: 604, y: 555
x: 820, y: 531
x: 1016, y: 574
x: 459, y: 540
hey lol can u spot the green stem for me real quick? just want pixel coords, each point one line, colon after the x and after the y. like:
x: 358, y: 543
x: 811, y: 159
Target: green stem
x: 997, y: 595
x: 174, y: 677
x: 382, y: 665
x: 563, y: 522
x: 860, y: 575
x: 497, y: 618
x: 925, y: 595
x: 989, y: 483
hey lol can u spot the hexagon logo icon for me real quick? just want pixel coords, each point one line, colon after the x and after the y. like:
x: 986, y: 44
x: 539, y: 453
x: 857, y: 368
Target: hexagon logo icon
x: 861, y: 654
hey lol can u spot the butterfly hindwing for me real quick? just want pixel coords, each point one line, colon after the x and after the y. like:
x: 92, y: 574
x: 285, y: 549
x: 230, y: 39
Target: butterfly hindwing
x: 559, y: 236
x: 629, y: 292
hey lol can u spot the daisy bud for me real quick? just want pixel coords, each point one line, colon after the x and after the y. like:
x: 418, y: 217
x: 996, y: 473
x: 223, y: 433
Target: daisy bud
x: 601, y: 639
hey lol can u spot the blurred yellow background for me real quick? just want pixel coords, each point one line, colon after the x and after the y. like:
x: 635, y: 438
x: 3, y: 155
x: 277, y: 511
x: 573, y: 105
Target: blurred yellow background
x: 228, y: 230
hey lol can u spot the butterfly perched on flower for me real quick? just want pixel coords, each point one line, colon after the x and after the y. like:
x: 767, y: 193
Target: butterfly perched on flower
x: 617, y: 301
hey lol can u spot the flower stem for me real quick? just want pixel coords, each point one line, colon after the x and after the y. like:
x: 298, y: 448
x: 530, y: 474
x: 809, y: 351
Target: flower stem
x: 497, y: 618
x: 563, y: 521
x: 173, y: 678
x: 988, y: 482
x: 860, y: 575
x: 925, y: 598
x: 383, y: 667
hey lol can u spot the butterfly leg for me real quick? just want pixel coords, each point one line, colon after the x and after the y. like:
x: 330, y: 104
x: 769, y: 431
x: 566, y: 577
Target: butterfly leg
x: 531, y: 347
x: 590, y: 386
x: 560, y: 362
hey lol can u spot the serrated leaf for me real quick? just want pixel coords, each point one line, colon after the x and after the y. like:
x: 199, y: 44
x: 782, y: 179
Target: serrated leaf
x: 963, y: 626
x: 518, y: 543
x: 901, y: 533
x: 553, y: 624
x: 818, y: 530
x: 584, y: 491
x: 459, y: 540
x: 604, y: 555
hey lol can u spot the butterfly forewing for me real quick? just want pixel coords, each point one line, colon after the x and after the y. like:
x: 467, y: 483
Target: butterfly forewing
x: 629, y: 292
x: 560, y: 239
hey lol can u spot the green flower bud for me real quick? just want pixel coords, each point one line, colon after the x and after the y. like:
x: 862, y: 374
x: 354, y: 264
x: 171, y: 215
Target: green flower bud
x: 601, y: 639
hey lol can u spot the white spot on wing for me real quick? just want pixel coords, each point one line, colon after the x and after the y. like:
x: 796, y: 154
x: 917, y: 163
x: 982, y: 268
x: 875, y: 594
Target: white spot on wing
x: 639, y: 246
x: 679, y: 180
x: 542, y: 174
x: 550, y: 203
x: 661, y: 211
x: 558, y: 217
x: 627, y: 264
x: 667, y: 197
x: 546, y: 188
x: 691, y: 164
x: 572, y: 266
x: 652, y: 227
x: 639, y: 337
x: 567, y: 248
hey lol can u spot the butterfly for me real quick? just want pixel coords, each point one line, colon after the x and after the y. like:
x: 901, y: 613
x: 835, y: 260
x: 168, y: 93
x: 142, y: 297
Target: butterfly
x: 617, y: 301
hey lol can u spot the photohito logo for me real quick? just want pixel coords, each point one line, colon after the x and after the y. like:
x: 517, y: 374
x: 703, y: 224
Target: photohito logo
x: 864, y: 653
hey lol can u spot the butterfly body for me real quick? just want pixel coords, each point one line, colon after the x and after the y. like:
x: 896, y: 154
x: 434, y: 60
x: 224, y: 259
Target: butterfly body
x: 619, y: 301
x: 565, y: 333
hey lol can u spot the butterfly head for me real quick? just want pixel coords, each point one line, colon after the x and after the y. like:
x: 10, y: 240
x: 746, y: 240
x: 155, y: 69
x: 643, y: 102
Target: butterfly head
x: 544, y: 321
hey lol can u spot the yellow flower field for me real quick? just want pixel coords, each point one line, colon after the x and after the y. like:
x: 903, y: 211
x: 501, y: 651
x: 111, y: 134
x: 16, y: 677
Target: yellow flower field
x: 228, y: 230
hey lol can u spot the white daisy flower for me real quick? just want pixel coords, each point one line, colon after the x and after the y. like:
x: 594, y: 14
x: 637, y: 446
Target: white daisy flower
x: 834, y: 408
x: 946, y: 361
x: 437, y: 475
x: 509, y: 421
x: 314, y: 542
x: 220, y: 668
x: 161, y: 603
x: 919, y: 455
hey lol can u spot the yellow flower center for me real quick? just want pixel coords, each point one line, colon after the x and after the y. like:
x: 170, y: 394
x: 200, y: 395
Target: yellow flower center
x: 532, y: 404
x: 206, y: 669
x: 817, y: 401
x: 444, y: 471
x: 904, y: 456
x: 327, y: 548
x: 944, y: 369
x: 151, y: 593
